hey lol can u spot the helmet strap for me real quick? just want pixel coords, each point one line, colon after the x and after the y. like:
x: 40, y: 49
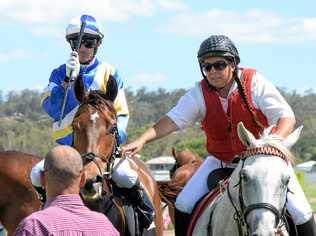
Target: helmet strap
x: 97, y: 47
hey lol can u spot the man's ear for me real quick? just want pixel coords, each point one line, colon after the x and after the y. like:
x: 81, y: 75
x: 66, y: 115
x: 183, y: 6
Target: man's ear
x: 43, y: 180
x: 82, y: 178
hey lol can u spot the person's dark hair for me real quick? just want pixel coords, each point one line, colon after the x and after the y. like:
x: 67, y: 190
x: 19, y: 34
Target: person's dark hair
x: 242, y: 92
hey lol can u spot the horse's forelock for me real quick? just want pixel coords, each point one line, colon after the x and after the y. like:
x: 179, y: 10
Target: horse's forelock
x: 96, y: 99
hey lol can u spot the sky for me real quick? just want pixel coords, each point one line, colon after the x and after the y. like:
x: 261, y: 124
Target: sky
x: 154, y: 43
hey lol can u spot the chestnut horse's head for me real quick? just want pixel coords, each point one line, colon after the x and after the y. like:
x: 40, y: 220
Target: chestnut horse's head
x: 95, y: 134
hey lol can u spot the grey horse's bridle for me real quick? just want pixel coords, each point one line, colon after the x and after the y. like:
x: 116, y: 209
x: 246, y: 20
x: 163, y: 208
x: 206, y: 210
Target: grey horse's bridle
x: 240, y: 216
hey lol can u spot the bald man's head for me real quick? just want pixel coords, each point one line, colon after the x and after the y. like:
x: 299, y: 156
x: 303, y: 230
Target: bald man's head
x: 63, y: 165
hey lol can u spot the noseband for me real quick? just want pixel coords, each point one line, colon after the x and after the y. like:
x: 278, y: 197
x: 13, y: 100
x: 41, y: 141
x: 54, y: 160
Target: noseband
x: 91, y: 156
x: 240, y: 216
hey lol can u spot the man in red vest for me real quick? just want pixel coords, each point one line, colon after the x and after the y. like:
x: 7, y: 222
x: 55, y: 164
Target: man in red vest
x: 225, y: 96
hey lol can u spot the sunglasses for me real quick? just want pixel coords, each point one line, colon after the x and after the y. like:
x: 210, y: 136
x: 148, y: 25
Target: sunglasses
x: 219, y: 66
x: 87, y: 42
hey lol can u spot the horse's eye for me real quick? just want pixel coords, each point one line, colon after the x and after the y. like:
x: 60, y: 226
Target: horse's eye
x: 285, y: 180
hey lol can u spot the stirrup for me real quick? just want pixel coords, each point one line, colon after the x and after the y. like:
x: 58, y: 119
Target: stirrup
x: 143, y: 206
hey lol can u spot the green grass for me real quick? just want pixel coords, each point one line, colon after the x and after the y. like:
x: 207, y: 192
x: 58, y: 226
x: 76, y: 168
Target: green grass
x: 310, y: 191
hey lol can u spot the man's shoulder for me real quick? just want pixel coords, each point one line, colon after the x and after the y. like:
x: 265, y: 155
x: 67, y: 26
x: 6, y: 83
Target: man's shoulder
x: 32, y: 224
x: 104, y: 63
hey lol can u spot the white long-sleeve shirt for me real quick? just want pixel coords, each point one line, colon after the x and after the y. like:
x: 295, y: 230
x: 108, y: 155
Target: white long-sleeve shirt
x: 191, y: 106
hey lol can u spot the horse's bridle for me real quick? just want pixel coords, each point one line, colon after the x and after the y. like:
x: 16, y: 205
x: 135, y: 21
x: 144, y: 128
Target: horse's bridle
x: 91, y: 156
x: 240, y: 216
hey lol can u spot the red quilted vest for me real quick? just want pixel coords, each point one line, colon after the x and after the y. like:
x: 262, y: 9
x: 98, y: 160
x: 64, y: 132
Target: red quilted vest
x: 221, y: 128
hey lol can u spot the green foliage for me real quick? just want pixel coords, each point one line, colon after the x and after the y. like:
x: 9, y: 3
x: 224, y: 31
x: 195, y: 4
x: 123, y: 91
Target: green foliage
x: 310, y: 192
x: 26, y: 127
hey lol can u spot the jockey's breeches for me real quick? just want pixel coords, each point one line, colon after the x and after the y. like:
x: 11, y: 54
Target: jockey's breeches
x: 297, y: 204
x: 123, y: 175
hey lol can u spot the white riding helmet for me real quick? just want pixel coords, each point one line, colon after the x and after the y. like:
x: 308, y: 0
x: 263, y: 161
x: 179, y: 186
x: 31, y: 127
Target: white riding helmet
x: 92, y: 27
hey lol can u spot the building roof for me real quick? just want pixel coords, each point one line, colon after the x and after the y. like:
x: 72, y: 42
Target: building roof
x: 162, y: 160
x: 306, y: 166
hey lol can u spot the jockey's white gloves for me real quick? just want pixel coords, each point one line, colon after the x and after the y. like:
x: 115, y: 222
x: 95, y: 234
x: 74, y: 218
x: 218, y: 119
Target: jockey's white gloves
x: 73, y: 66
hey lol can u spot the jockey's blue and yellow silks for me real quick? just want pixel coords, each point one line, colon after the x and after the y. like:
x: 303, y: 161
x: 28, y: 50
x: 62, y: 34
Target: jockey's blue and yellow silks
x: 95, y: 77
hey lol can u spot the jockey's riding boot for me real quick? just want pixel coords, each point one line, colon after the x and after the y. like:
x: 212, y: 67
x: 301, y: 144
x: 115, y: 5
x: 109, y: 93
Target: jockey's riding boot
x: 182, y: 222
x: 41, y: 192
x: 143, y: 205
x: 307, y: 229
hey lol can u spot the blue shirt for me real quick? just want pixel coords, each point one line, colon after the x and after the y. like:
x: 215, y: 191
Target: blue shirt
x: 95, y: 77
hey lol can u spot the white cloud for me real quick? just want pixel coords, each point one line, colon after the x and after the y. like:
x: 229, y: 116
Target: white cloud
x: 44, y: 11
x: 252, y: 26
x: 15, y: 54
x: 173, y: 5
x: 45, y: 17
x: 148, y: 79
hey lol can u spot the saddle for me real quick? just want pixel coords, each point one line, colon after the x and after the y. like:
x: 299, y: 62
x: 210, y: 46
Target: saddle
x: 218, y: 175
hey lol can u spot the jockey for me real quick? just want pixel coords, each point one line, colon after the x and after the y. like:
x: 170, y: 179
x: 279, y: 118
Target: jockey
x: 95, y: 75
x: 225, y: 96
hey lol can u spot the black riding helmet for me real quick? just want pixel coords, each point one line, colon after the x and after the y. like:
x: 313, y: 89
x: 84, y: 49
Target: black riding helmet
x: 217, y: 46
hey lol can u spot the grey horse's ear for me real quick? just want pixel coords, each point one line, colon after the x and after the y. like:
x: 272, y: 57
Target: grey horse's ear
x: 79, y: 89
x: 111, y: 89
x: 245, y: 136
x: 290, y: 140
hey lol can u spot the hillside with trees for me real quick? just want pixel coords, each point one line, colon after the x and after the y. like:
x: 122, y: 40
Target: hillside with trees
x: 25, y: 126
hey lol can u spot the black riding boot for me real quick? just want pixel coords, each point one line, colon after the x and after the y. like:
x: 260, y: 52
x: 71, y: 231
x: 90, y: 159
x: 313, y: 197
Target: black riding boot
x: 182, y: 222
x: 308, y: 228
x: 143, y: 205
x: 41, y: 192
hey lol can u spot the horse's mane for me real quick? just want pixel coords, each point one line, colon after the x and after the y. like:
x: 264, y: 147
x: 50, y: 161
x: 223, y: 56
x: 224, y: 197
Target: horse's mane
x: 97, y: 98
x: 275, y: 141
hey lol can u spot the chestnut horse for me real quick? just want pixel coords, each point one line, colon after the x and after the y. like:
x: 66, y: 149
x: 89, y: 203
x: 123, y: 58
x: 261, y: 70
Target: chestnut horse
x: 17, y: 198
x: 185, y: 166
x: 95, y: 137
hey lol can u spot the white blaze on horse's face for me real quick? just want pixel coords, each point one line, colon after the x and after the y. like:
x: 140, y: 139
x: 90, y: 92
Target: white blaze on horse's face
x: 94, y: 118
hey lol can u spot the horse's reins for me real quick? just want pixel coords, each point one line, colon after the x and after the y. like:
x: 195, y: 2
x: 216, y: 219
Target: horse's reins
x: 240, y: 216
x: 105, y: 175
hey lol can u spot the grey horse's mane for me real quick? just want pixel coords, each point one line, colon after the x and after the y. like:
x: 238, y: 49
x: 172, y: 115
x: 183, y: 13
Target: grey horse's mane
x: 273, y: 140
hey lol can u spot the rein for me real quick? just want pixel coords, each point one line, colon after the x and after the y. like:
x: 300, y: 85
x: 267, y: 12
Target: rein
x: 240, y: 216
